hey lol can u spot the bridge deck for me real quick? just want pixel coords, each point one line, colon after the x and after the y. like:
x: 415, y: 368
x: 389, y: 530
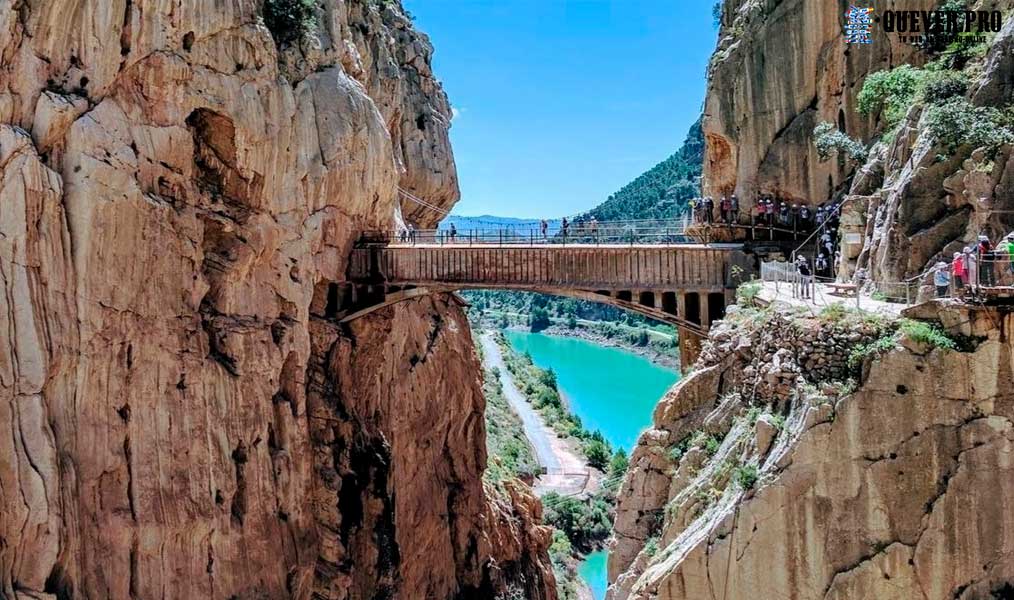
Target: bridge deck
x: 585, y: 267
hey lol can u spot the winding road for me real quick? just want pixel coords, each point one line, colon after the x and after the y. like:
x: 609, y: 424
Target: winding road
x: 567, y: 473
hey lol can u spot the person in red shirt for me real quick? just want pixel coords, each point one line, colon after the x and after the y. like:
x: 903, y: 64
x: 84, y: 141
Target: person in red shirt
x: 958, y: 270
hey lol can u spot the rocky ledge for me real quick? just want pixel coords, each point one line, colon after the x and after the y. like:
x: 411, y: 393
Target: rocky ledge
x: 856, y: 458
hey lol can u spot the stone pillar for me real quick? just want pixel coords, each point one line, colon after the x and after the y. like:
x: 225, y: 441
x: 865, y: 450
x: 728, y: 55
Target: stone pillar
x: 705, y: 301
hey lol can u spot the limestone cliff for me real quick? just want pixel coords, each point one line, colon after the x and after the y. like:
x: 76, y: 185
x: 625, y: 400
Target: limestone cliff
x: 178, y: 189
x: 899, y: 487
x: 780, y: 68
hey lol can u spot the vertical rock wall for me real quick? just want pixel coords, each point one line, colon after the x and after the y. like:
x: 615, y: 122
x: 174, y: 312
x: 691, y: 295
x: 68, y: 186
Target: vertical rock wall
x: 174, y: 190
x: 900, y: 488
x: 782, y: 67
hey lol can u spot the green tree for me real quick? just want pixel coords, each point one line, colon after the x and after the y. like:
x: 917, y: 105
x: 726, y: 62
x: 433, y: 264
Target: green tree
x: 597, y: 453
x: 619, y: 464
x: 289, y: 20
x: 539, y: 319
x: 890, y: 93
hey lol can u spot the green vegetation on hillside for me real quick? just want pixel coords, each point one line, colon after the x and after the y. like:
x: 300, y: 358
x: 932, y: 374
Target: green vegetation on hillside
x: 499, y: 308
x: 662, y: 191
x: 510, y: 454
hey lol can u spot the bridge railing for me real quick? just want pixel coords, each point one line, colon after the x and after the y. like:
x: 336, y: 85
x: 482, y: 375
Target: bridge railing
x: 629, y: 233
x: 634, y: 232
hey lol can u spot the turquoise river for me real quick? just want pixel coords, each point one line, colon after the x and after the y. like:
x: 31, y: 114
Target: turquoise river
x: 612, y: 390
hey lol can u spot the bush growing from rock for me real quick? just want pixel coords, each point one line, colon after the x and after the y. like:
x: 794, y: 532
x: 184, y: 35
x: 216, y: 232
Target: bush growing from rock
x: 944, y: 85
x: 746, y: 476
x: 957, y: 122
x: 890, y: 93
x: 289, y: 20
x: 829, y: 140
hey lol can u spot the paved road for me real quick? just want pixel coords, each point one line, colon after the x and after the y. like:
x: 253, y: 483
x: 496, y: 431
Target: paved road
x: 567, y: 473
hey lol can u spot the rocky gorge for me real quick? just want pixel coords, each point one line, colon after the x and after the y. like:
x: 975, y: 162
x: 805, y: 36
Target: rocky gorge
x: 180, y: 189
x: 838, y: 454
x: 181, y: 184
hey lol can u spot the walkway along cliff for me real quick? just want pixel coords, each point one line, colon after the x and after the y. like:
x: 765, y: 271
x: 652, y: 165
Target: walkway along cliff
x: 180, y: 185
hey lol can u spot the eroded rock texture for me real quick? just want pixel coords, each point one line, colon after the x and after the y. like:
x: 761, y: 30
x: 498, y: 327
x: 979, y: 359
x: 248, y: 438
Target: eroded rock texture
x: 175, y: 190
x: 900, y: 489
x: 782, y: 67
x: 914, y: 204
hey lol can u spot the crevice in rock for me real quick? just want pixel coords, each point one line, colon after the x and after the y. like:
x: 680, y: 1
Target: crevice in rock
x: 238, y: 506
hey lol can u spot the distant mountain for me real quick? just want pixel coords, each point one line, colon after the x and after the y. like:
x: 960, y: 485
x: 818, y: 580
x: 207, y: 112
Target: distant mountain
x: 662, y: 191
x: 463, y: 223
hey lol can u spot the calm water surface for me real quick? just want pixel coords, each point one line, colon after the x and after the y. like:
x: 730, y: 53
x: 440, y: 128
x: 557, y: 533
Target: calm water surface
x: 593, y: 570
x: 612, y: 390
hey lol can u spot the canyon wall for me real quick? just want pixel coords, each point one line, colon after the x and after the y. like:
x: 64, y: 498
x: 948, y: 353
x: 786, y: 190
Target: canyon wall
x: 780, y: 68
x: 771, y: 473
x: 832, y: 455
x: 179, y: 187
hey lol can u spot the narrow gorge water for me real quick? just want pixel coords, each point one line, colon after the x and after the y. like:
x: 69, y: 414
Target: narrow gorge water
x: 611, y: 389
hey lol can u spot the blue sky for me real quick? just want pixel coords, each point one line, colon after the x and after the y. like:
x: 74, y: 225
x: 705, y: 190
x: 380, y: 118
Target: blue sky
x: 559, y: 103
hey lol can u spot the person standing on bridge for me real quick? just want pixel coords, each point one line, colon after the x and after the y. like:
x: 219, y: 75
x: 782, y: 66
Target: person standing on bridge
x: 723, y: 209
x: 986, y: 259
x: 709, y: 210
x: 734, y: 209
x: 565, y: 228
x: 942, y: 279
x: 1006, y: 249
x: 971, y: 268
x: 958, y: 271
x: 453, y: 232
x: 544, y: 227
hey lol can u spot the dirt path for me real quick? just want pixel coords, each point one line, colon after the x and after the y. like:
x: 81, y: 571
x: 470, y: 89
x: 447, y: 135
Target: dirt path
x: 566, y: 470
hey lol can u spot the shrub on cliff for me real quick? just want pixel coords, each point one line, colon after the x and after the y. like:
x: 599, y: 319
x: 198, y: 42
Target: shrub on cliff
x: 941, y: 86
x: 289, y: 20
x: 829, y: 140
x: 958, y: 123
x: 926, y: 333
x: 890, y: 93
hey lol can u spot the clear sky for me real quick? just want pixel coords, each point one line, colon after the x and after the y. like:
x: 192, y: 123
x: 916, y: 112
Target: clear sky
x: 559, y: 103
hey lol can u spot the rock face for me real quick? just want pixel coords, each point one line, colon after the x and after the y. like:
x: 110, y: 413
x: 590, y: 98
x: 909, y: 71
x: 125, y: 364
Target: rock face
x: 177, y: 192
x: 899, y: 489
x: 914, y: 204
x: 782, y: 67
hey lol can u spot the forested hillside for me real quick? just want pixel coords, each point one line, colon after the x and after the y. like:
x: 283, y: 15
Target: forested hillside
x: 662, y: 191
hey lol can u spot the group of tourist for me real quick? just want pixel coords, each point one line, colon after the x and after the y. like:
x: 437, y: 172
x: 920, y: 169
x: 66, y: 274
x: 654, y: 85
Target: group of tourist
x: 703, y: 209
x: 826, y: 255
x: 767, y: 212
x: 982, y: 265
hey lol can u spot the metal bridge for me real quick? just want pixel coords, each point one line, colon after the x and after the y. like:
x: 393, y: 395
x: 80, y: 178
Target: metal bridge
x: 655, y: 271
